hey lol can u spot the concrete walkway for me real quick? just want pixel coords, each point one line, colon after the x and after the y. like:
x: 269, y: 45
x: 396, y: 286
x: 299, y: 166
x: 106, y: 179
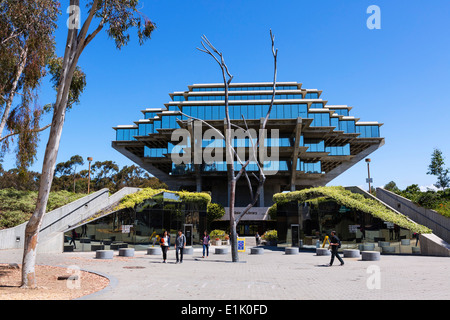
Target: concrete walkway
x: 271, y: 276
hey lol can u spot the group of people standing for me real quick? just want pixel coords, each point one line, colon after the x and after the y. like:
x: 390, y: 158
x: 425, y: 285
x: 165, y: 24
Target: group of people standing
x: 180, y: 244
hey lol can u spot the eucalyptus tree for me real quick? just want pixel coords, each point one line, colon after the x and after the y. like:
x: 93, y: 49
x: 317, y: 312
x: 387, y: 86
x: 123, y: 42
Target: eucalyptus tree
x: 117, y: 17
x: 26, y: 44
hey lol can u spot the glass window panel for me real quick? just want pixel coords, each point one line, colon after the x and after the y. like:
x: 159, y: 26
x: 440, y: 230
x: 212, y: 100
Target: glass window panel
x: 222, y: 112
x: 351, y: 126
x: 119, y: 135
x: 375, y: 132
x: 250, y: 112
x: 279, y: 111
x: 287, y: 111
x: 165, y: 122
x: 208, y: 113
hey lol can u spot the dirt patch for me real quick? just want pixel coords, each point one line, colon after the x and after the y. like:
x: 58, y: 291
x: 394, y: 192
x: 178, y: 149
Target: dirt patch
x: 49, y: 287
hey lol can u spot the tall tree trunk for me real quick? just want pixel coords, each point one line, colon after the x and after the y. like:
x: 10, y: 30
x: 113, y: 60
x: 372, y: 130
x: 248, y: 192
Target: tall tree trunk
x: 12, y: 93
x: 51, y: 152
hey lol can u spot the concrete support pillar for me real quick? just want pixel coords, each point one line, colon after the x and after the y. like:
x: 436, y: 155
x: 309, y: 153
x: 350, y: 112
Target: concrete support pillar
x: 261, y: 198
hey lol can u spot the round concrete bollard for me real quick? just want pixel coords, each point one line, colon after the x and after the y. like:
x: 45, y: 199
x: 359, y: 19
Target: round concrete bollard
x: 351, y: 253
x: 221, y: 250
x: 104, y: 254
x: 256, y: 250
x: 323, y: 252
x: 368, y: 247
x: 126, y: 252
x: 117, y: 246
x: 388, y: 249
x: 291, y: 250
x: 154, y: 251
x: 95, y: 247
x: 405, y: 242
x: 370, y: 255
x: 188, y: 250
x: 382, y: 244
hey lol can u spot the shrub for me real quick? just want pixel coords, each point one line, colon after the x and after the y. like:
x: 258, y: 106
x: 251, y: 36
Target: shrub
x: 217, y: 234
x: 215, y: 211
x: 270, y: 235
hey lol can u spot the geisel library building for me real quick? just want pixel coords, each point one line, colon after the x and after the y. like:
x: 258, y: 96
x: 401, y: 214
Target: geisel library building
x: 316, y: 142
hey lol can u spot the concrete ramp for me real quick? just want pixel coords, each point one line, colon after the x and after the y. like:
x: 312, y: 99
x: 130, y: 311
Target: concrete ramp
x: 57, y: 221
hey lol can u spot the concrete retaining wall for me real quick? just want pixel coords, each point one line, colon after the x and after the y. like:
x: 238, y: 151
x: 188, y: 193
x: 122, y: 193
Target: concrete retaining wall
x: 432, y: 245
x: 57, y: 221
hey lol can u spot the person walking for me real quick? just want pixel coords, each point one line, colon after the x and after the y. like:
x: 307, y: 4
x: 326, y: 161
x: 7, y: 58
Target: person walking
x: 72, y: 240
x: 258, y: 239
x: 335, y: 244
x: 180, y: 243
x: 206, y: 242
x: 164, y: 242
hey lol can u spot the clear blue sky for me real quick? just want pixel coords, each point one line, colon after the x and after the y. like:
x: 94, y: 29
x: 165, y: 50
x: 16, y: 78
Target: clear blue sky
x: 399, y: 75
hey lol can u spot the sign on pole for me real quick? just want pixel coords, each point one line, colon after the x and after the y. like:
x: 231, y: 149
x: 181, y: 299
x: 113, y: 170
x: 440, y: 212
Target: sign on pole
x: 241, y: 244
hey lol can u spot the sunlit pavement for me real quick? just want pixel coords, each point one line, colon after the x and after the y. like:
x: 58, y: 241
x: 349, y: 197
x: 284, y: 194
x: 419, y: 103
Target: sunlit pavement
x: 271, y: 276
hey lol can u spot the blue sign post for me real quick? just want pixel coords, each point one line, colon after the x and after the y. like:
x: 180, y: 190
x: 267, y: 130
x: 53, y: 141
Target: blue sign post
x: 241, y: 244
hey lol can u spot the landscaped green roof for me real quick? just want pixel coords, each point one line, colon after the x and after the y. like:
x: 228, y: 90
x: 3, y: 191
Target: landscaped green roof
x: 131, y: 200
x: 354, y: 201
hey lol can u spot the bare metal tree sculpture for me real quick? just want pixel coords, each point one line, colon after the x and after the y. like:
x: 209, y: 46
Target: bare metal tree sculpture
x: 231, y: 153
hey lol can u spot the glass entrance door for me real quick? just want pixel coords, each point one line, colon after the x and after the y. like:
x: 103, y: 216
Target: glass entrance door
x: 188, y: 234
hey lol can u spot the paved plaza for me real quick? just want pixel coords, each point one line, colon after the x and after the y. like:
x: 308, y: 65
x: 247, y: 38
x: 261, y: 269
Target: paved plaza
x: 271, y: 276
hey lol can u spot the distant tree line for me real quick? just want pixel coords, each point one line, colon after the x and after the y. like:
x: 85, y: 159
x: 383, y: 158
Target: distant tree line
x: 69, y: 177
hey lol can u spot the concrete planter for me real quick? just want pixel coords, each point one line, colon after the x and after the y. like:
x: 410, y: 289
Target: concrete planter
x: 405, y: 242
x: 117, y: 246
x: 126, y: 252
x: 104, y: 254
x: 382, y: 244
x: 221, y: 250
x: 352, y: 253
x: 291, y: 250
x: 323, y: 252
x: 388, y: 249
x: 154, y: 251
x: 370, y: 255
x: 256, y: 250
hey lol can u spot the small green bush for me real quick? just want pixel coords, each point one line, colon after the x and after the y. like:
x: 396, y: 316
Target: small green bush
x: 220, y: 234
x: 271, y: 235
